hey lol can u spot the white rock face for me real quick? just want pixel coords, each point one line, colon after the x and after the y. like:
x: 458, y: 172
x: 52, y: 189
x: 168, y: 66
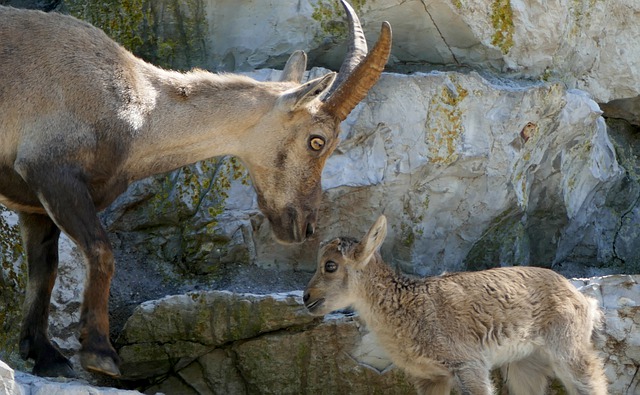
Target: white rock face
x: 451, y: 158
x: 279, y: 28
x: 590, y: 45
x: 619, y: 297
x: 8, y: 383
x: 66, y: 297
x: 456, y: 161
x: 18, y: 383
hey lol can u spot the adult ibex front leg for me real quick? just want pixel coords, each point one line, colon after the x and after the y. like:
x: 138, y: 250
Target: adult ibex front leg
x: 69, y: 207
x: 40, y: 240
x: 80, y: 121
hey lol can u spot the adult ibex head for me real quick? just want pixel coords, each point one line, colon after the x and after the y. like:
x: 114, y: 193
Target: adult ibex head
x: 81, y: 118
x: 306, y: 119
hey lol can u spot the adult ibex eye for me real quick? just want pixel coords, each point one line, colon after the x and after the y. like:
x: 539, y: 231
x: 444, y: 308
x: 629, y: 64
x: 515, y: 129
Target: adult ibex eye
x: 316, y: 143
x: 330, y: 266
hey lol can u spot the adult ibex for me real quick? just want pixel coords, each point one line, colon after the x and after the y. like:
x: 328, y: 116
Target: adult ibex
x: 81, y: 118
x: 451, y: 330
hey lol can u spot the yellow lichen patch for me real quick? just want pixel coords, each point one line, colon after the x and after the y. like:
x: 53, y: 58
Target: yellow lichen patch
x: 189, y: 201
x: 502, y: 22
x: 444, y: 123
x: 167, y: 33
x: 581, y: 11
x: 330, y: 14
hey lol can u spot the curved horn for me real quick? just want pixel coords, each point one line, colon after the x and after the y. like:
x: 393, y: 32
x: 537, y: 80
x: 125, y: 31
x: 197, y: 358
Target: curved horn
x: 350, y: 92
x: 356, y: 50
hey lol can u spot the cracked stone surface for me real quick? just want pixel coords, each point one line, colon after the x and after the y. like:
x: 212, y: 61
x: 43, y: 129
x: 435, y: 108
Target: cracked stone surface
x: 586, y: 44
x: 336, y: 354
x: 474, y: 169
x: 213, y: 342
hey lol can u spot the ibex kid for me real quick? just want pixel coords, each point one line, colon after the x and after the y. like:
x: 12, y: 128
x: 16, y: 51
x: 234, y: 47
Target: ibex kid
x: 452, y: 330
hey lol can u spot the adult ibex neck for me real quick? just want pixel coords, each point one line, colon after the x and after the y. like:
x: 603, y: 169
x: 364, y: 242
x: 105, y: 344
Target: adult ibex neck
x: 185, y: 118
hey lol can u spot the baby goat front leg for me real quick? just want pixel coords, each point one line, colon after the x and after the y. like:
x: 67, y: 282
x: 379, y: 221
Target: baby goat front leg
x: 473, y: 379
x: 68, y: 203
x: 433, y: 386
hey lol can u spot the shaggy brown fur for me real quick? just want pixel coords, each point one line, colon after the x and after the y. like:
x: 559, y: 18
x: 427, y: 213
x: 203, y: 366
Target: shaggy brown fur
x: 451, y: 330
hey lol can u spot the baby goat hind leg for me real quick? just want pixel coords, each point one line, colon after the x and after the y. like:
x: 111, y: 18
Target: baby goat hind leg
x: 529, y: 376
x: 575, y: 361
x: 582, y: 374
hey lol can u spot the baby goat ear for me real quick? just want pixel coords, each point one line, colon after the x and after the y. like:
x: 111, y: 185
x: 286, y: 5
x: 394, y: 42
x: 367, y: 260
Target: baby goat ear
x: 372, y: 241
x: 307, y: 92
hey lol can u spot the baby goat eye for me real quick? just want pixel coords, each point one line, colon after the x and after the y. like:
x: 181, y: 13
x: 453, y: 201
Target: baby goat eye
x: 316, y: 143
x: 330, y: 266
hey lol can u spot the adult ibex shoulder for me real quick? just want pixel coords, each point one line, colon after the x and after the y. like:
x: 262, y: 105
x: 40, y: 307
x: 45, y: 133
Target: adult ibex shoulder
x: 451, y: 330
x: 81, y: 118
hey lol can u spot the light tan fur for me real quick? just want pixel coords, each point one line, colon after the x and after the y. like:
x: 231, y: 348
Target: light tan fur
x: 452, y: 330
x: 62, y: 84
x: 81, y: 118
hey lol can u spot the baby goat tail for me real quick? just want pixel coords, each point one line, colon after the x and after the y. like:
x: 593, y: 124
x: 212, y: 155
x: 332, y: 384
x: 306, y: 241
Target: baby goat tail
x: 596, y: 318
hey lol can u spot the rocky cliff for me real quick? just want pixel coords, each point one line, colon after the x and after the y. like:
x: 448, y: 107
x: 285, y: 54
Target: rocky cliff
x: 504, y: 133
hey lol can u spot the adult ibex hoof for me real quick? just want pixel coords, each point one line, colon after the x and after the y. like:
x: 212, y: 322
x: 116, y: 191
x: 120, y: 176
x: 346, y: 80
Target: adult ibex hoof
x: 99, y: 364
x: 55, y: 369
x: 49, y: 361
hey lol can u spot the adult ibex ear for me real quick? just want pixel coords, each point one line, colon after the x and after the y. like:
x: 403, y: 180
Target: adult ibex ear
x: 306, y: 93
x: 372, y: 241
x: 294, y: 69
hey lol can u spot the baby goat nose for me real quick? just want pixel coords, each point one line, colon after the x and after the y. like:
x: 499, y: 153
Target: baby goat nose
x: 306, y: 297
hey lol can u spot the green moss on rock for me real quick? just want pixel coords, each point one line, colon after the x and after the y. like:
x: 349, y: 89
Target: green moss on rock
x: 504, y: 242
x: 331, y: 15
x: 13, y: 278
x: 444, y: 122
x: 168, y: 33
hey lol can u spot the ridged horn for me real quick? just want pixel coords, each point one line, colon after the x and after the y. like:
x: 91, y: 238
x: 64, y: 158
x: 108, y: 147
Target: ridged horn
x: 354, y: 84
x: 356, y: 49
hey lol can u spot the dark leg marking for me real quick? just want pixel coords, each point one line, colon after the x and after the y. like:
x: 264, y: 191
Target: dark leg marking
x: 40, y: 239
x: 69, y: 204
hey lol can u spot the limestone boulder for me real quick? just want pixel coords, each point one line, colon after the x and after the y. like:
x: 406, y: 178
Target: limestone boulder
x: 589, y: 45
x: 619, y: 297
x: 18, y: 383
x: 177, y: 328
x: 471, y: 170
x: 8, y: 383
x: 302, y: 354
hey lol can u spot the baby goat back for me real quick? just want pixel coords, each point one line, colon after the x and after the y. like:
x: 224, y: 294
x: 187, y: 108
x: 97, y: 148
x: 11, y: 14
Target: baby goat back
x: 452, y: 330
